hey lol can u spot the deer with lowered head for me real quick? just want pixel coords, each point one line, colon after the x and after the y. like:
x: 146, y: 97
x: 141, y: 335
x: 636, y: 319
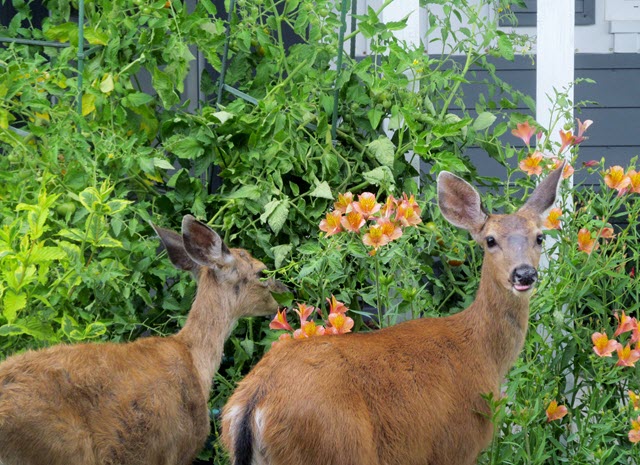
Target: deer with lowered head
x: 143, y: 402
x: 411, y: 394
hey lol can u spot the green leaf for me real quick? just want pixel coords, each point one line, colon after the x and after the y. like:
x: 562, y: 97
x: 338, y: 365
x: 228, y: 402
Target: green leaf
x: 11, y: 330
x: 223, y: 116
x: 62, y: 32
x: 279, y: 216
x: 383, y: 150
x: 90, y: 199
x: 483, y: 121
x: 68, y: 325
x: 505, y: 47
x: 108, y: 241
x: 88, y: 104
x: 94, y: 330
x: 380, y: 176
x: 185, y: 147
x: 116, y: 206
x: 322, y: 191
x: 162, y: 163
x: 12, y: 304
x: 164, y: 85
x: 4, y: 119
x: 374, y: 116
x: 46, y: 254
x: 245, y: 192
x: 107, y: 85
x: 280, y: 252
x: 95, y: 36
x: 137, y: 99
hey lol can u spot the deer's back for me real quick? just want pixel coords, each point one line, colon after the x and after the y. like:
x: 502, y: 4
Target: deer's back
x: 415, y: 387
x: 102, y: 404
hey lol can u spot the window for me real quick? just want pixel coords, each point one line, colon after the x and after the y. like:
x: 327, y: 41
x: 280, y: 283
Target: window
x: 526, y: 16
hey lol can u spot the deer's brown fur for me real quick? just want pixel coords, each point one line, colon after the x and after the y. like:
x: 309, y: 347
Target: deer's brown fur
x: 143, y: 402
x: 411, y: 394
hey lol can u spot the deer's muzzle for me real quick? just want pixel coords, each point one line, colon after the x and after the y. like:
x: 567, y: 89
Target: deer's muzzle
x: 524, y: 277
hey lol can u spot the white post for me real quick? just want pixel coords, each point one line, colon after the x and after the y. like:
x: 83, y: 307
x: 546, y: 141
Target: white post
x: 555, y: 56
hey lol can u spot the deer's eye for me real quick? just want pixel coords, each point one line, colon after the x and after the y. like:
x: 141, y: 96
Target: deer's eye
x: 491, y: 241
x: 539, y: 239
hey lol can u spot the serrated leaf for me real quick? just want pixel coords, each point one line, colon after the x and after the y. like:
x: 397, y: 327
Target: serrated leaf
x: 107, y: 85
x: 137, y: 99
x: 47, y: 254
x: 116, y: 206
x: 90, y: 198
x: 280, y: 252
x: 383, y: 150
x: 108, y: 241
x: 12, y: 304
x: 248, y: 346
x: 483, y: 121
x: 505, y: 46
x: 279, y: 216
x: 380, y: 176
x: 185, y: 147
x: 95, y: 36
x: 68, y: 324
x: 310, y: 248
x: 268, y: 209
x: 94, y: 330
x: 322, y: 191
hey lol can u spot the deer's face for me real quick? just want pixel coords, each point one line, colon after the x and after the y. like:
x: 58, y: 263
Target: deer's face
x: 512, y: 245
x: 251, y: 287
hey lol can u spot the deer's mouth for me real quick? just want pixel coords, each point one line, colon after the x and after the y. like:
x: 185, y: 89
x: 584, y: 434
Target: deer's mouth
x: 523, y: 287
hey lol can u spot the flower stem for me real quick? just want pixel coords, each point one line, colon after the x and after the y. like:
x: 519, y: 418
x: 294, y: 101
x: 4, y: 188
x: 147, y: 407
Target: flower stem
x: 378, y: 301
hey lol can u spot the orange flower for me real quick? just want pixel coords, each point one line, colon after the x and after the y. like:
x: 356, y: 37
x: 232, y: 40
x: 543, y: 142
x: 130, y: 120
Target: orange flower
x: 390, y: 228
x: 283, y: 337
x: 627, y: 357
x: 366, y: 205
x: 335, y: 306
x: 353, y: 221
x: 331, y: 223
x: 524, y: 131
x: 602, y: 345
x: 280, y: 321
x: 634, y: 434
x: 634, y: 178
x: 308, y: 329
x: 344, y: 200
x: 408, y: 213
x: 567, y: 140
x: 531, y: 164
x: 634, y: 399
x: 585, y: 243
x: 555, y: 411
x: 582, y: 127
x: 304, y: 311
x: 340, y: 323
x: 553, y: 220
x: 375, y: 237
x: 389, y: 207
x: 567, y: 172
x: 616, y: 179
x: 606, y: 233
x: 625, y: 323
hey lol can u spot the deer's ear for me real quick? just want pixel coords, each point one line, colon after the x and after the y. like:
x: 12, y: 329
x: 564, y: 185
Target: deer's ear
x: 172, y: 241
x: 544, y: 196
x: 460, y: 203
x: 204, y: 245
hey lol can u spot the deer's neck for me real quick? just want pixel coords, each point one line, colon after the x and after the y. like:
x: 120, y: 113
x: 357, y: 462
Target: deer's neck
x: 208, y: 325
x: 500, y: 319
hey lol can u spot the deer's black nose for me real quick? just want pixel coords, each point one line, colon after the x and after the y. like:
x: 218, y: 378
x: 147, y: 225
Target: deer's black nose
x: 524, y: 275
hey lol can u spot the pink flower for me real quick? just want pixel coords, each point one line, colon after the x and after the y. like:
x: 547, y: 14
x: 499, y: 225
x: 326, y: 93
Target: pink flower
x: 408, y: 213
x: 308, y: 329
x: 524, y: 131
x: 366, y: 204
x: 582, y: 127
x: 343, y: 202
x: 590, y: 163
x: 304, y: 311
x: 567, y: 140
x: 335, y: 306
x: 616, y: 179
x: 340, y: 323
x: 390, y: 228
x: 531, y: 164
x: 627, y: 357
x: 625, y: 323
x: 389, y: 207
x: 375, y: 237
x: 634, y: 434
x: 352, y: 221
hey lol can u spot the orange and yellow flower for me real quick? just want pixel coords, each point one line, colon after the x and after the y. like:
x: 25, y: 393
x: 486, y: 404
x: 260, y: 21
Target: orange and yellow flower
x: 555, y: 411
x: 606, y: 233
x: 524, y: 131
x: 343, y: 202
x: 366, y: 205
x: 375, y: 237
x: 634, y: 400
x: 531, y: 165
x: 553, y: 219
x: 308, y: 329
x: 304, y: 311
x: 331, y: 223
x: 335, y: 306
x: 408, y: 213
x: 602, y: 345
x: 625, y: 323
x: 352, y: 221
x: 390, y: 228
x: 627, y: 357
x: 634, y: 434
x: 567, y: 139
x: 280, y: 321
x: 634, y: 181
x: 340, y: 323
x: 616, y: 179
x: 389, y: 207
x: 568, y: 171
x: 585, y: 242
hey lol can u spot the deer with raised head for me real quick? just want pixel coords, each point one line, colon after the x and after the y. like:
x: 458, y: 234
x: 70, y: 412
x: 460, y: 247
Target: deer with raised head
x: 411, y: 394
x: 139, y: 403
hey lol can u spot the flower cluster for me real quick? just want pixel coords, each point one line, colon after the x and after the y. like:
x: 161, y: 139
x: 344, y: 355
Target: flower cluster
x: 337, y: 322
x: 587, y: 240
x: 624, y: 183
x: 533, y: 164
x: 386, y: 220
x: 627, y: 356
